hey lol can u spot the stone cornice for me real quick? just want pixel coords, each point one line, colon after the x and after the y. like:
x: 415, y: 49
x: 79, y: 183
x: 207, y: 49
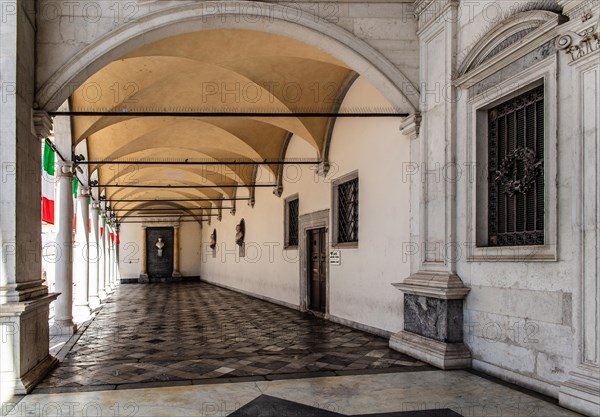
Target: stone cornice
x: 429, y: 11
x: 578, y: 9
x: 442, y: 285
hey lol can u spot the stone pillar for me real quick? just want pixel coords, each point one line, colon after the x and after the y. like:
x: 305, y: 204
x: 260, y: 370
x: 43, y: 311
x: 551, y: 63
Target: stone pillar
x: 433, y: 294
x: 24, y: 299
x: 94, y: 256
x: 101, y: 257
x: 63, y: 307
x: 579, y: 44
x: 176, y: 273
x: 143, y: 268
x: 116, y: 276
x: 81, y: 255
x: 106, y: 240
x: 110, y: 266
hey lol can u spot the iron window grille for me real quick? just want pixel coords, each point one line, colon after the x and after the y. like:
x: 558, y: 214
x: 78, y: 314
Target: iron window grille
x: 348, y: 211
x: 293, y: 214
x: 516, y: 171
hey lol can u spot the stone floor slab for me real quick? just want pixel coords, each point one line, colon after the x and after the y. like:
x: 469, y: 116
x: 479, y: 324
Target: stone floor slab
x: 182, y: 332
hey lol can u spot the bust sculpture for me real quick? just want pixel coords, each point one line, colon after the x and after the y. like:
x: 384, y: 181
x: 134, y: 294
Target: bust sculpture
x: 239, y: 234
x: 160, y: 246
x: 213, y: 239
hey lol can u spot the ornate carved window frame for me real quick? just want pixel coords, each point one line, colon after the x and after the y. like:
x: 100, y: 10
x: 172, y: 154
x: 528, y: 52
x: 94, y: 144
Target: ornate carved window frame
x: 544, y: 72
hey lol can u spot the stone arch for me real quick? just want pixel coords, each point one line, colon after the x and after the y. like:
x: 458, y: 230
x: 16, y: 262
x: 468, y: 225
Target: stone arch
x: 339, y: 43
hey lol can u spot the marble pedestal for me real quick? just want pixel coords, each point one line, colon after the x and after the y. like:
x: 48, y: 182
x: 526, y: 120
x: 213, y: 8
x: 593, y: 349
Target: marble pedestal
x: 433, y: 320
x: 25, y: 357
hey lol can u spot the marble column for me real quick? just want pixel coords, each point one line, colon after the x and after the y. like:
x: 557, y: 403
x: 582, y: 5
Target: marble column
x: 434, y: 293
x: 81, y: 255
x: 106, y: 239
x: 63, y: 306
x: 94, y: 253
x: 116, y: 276
x: 111, y: 255
x: 24, y: 299
x: 101, y: 257
x: 143, y: 268
x: 176, y: 273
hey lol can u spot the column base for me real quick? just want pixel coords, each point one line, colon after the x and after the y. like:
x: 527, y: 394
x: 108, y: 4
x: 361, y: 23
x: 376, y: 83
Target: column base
x: 143, y: 279
x: 94, y: 302
x: 63, y: 328
x: 581, y: 393
x: 102, y: 295
x: 24, y: 384
x: 82, y: 312
x: 436, y: 353
x: 25, y: 357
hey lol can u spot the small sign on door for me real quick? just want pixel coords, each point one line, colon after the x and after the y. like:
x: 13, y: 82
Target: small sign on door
x: 335, y: 257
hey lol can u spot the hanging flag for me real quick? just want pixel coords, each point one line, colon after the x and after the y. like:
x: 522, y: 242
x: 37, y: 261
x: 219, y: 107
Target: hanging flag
x: 101, y: 225
x: 48, y: 184
x: 75, y: 186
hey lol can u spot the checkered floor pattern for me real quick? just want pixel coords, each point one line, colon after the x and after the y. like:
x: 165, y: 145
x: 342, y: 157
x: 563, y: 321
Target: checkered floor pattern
x: 187, y: 333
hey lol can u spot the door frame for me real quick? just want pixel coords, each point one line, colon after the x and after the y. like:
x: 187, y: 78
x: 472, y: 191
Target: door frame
x: 150, y: 249
x: 309, y: 221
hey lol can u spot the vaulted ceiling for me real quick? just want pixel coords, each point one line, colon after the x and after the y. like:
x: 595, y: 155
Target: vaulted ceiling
x: 210, y: 71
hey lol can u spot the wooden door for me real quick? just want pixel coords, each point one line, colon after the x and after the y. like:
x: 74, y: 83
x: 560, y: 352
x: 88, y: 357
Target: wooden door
x: 317, y: 279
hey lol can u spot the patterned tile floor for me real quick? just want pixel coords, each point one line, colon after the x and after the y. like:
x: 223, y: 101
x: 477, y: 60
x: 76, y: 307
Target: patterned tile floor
x: 194, y: 333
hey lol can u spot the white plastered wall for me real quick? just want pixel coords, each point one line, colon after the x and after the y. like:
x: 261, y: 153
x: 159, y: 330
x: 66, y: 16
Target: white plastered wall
x: 130, y: 248
x: 360, y: 288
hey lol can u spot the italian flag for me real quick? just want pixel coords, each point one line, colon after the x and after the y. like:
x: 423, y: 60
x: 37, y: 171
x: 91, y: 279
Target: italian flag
x: 48, y: 184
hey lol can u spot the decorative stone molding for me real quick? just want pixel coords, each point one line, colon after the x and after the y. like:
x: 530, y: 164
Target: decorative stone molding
x: 411, y: 126
x: 437, y: 285
x: 42, y: 124
x: 520, y: 33
x: 580, y: 44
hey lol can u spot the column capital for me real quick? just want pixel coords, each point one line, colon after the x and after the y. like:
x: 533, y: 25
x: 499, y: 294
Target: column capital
x: 83, y: 192
x: 42, y: 124
x: 95, y: 205
x: 65, y: 168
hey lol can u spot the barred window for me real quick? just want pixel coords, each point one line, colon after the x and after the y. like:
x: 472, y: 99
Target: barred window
x: 347, y: 211
x: 292, y: 221
x: 516, y: 171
